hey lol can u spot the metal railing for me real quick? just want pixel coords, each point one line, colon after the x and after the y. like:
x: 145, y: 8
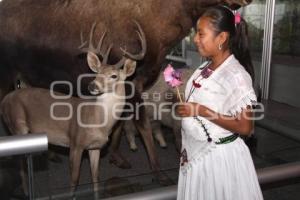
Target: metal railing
x: 24, y: 145
x: 265, y: 176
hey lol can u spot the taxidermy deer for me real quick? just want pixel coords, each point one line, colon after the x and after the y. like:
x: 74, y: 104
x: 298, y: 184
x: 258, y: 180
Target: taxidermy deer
x: 43, y: 54
x: 158, y: 102
x: 90, y: 122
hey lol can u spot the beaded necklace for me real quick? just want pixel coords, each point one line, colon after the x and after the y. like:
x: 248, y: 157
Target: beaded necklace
x: 205, y: 73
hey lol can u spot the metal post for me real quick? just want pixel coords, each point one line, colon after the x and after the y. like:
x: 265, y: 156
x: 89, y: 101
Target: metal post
x: 183, y: 48
x: 30, y: 177
x: 267, y: 48
x: 181, y: 58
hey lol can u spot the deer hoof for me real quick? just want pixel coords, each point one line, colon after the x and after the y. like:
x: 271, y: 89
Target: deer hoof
x: 119, y: 161
x: 53, y: 157
x: 164, y: 146
x: 178, y: 146
x: 134, y: 149
x: 164, y: 180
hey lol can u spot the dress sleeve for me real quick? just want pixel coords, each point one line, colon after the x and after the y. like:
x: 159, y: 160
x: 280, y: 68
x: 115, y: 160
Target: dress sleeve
x: 241, y: 95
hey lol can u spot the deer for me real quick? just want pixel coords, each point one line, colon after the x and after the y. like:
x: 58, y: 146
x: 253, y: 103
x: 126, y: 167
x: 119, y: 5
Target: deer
x: 89, y: 121
x: 159, y: 100
x: 40, y: 39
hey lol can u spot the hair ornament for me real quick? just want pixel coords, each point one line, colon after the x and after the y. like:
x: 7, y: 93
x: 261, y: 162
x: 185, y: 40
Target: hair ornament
x: 237, y: 18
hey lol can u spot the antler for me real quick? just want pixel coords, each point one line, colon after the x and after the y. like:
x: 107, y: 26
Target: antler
x: 142, y: 38
x: 138, y: 56
x: 91, y: 47
x: 97, y: 50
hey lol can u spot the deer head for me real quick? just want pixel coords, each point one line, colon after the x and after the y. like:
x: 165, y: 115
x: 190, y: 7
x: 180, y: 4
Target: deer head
x: 109, y: 75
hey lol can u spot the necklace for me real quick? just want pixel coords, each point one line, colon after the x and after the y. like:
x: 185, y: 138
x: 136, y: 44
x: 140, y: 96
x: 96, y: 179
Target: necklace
x: 204, y: 74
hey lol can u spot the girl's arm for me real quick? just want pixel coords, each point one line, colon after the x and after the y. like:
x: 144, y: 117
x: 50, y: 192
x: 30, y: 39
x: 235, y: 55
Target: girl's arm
x: 241, y: 123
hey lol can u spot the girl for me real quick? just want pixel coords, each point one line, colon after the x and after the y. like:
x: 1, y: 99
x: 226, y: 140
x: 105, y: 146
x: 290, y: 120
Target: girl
x: 215, y: 162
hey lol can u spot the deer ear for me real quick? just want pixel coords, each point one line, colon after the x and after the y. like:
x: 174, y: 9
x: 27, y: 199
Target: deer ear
x: 93, y: 62
x: 129, y: 67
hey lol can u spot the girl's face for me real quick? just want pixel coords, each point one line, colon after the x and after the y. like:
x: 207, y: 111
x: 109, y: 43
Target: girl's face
x: 205, y: 39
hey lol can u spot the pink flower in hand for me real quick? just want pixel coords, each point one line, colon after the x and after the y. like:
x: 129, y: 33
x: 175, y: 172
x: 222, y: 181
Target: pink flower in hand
x: 172, y: 77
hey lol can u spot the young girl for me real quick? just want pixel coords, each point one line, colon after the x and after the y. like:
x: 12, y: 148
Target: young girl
x: 215, y: 162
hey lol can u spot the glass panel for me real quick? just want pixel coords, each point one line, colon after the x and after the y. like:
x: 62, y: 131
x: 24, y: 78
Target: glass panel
x: 52, y: 177
x: 9, y: 179
x: 285, y: 69
x: 254, y: 15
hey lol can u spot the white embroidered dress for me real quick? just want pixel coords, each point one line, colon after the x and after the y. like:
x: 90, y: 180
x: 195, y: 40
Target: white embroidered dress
x: 218, y: 171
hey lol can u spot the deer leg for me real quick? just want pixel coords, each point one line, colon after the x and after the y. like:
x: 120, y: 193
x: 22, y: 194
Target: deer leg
x: 130, y: 132
x: 94, y: 163
x: 20, y: 128
x: 144, y: 127
x: 75, y: 161
x: 177, y: 135
x: 158, y: 135
x: 17, y: 125
x: 131, y: 140
x: 116, y: 158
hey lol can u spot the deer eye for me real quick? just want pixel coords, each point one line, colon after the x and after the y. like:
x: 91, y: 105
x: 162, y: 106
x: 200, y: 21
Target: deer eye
x: 113, y: 76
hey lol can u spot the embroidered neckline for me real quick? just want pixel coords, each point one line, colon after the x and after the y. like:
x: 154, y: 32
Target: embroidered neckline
x: 204, y: 74
x: 197, y: 84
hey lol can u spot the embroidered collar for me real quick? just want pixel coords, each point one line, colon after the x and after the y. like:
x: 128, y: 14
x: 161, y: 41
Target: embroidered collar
x: 205, y: 73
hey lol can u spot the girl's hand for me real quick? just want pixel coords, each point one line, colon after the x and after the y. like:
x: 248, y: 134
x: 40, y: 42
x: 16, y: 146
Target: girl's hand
x: 189, y: 109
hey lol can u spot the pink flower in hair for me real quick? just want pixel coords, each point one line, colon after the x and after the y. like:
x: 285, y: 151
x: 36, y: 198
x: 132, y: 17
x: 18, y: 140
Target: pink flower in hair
x: 237, y: 18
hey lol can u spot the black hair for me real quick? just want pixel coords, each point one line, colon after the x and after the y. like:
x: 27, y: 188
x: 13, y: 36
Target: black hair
x: 223, y: 20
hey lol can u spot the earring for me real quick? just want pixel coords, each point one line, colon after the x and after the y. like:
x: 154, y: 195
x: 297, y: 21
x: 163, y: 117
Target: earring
x: 220, y: 47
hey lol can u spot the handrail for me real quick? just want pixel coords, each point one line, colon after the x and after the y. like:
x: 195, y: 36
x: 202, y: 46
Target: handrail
x: 265, y: 175
x: 278, y: 173
x: 164, y: 193
x: 23, y: 144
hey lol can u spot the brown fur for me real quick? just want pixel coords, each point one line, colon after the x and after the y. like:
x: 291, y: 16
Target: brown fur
x: 40, y: 39
x: 28, y: 111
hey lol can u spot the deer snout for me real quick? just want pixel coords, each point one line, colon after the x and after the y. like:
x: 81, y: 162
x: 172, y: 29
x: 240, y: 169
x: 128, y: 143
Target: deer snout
x: 94, y: 88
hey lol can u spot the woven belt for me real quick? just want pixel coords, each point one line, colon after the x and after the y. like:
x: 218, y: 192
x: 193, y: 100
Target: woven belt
x: 228, y: 139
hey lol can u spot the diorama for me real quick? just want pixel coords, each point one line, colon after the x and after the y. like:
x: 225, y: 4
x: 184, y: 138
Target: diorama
x: 82, y: 80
